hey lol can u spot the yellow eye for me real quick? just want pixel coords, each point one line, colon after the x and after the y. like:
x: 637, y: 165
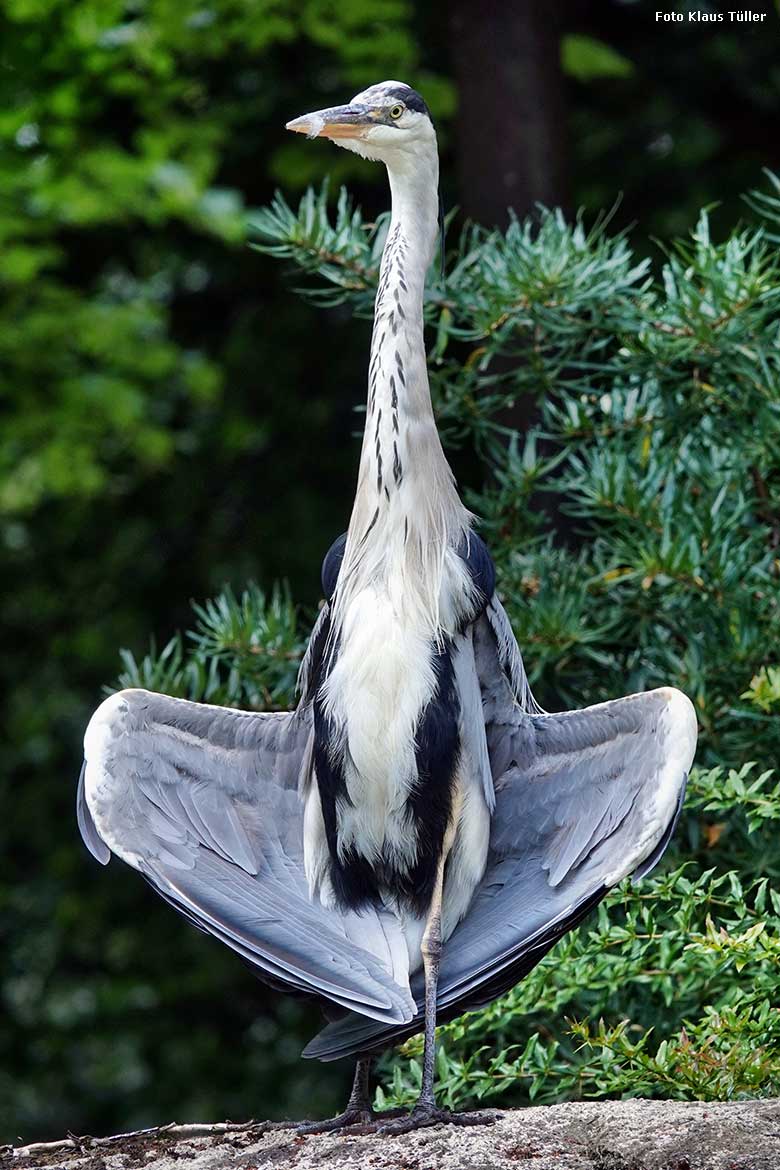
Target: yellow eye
x: 396, y: 111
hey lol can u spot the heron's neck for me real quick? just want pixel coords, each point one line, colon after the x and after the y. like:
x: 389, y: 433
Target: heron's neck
x: 398, y: 411
x: 407, y: 510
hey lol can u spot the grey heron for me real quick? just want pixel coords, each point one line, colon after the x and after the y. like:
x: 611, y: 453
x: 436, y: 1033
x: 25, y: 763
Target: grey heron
x: 416, y: 835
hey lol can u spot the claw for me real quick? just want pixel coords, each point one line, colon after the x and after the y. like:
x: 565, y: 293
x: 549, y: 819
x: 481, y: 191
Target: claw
x: 343, y: 1120
x: 423, y: 1116
x: 357, y: 1121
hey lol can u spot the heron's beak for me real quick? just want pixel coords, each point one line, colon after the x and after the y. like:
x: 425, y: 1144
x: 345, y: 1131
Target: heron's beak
x: 337, y: 122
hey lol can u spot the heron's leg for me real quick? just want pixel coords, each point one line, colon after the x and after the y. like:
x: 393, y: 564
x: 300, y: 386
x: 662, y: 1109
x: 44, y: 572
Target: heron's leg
x: 431, y: 953
x: 426, y: 1112
x: 359, y: 1097
x: 358, y: 1110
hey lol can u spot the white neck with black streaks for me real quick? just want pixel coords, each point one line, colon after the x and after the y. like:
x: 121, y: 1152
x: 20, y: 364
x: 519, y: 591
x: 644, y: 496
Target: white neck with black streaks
x: 407, y: 512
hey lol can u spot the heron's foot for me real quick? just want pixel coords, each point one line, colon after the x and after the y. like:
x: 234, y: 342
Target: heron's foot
x: 355, y: 1116
x: 425, y: 1115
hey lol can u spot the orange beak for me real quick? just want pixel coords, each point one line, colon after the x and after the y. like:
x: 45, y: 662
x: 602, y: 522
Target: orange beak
x: 337, y: 122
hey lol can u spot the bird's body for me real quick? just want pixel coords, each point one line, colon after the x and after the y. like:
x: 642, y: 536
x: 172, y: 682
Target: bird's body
x: 400, y: 756
x: 395, y: 761
x: 417, y: 794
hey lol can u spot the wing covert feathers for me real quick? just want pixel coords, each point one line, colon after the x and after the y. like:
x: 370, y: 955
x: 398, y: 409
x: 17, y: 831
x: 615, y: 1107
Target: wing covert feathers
x: 205, y: 803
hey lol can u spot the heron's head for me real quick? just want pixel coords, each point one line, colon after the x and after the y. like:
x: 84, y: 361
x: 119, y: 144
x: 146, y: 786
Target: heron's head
x: 387, y: 122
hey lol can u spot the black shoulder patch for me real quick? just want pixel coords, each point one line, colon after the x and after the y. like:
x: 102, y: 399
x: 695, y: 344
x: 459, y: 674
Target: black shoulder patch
x: 332, y: 564
x: 480, y: 565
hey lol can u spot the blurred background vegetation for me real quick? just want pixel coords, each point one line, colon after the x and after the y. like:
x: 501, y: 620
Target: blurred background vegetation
x: 174, y: 419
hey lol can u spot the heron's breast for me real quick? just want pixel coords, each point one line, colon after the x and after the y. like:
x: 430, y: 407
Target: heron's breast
x: 389, y: 753
x: 381, y: 682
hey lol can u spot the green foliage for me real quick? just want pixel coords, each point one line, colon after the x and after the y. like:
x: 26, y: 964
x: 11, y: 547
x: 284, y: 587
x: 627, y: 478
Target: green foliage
x: 346, y: 253
x: 243, y: 652
x: 98, y: 379
x: 764, y: 690
x: 588, y: 59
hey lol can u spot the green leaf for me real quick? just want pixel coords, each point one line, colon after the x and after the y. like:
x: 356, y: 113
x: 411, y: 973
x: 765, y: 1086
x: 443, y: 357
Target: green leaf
x: 588, y: 59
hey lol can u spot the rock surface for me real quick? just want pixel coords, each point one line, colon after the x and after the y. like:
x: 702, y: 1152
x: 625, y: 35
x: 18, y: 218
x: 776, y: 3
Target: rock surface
x: 611, y: 1135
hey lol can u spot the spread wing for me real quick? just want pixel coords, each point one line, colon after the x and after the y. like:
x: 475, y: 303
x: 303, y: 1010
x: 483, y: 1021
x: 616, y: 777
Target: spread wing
x: 583, y: 798
x: 205, y: 803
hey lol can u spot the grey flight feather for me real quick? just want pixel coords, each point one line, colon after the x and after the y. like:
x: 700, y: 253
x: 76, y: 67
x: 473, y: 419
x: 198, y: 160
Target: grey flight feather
x: 496, y: 629
x: 204, y: 802
x: 89, y: 833
x: 583, y: 798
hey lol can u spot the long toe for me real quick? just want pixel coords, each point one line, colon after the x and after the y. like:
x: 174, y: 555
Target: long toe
x: 343, y: 1120
x: 423, y: 1116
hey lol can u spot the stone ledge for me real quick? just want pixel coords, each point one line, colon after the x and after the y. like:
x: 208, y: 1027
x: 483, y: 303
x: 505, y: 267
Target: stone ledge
x: 584, y: 1135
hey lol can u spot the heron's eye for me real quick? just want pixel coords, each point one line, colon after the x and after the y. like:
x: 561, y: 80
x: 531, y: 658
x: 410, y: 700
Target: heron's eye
x: 396, y: 111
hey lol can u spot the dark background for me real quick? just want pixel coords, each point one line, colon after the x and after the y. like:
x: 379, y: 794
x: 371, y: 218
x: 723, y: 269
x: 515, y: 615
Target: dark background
x: 175, y: 418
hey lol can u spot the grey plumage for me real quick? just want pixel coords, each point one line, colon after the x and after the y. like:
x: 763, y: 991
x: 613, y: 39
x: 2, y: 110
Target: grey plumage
x: 89, y: 834
x: 204, y: 802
